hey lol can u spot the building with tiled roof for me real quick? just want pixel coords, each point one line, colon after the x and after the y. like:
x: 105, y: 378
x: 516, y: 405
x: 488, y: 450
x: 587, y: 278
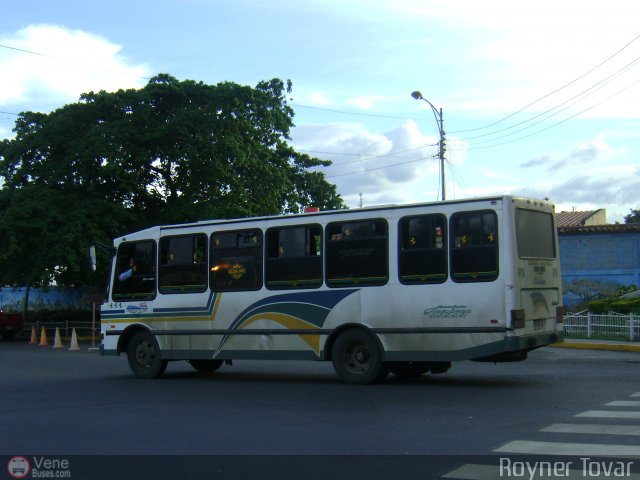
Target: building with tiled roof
x: 575, y: 219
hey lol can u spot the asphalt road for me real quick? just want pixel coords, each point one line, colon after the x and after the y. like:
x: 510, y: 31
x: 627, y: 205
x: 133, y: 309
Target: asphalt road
x: 62, y: 403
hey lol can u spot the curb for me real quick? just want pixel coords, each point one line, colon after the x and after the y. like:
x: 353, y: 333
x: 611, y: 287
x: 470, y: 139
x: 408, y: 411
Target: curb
x: 612, y: 347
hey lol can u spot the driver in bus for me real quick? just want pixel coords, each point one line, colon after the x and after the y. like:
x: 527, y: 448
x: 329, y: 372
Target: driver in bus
x: 127, y: 274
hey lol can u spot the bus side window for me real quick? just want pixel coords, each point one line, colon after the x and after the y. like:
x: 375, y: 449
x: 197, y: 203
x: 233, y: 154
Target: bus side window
x: 422, y: 252
x: 474, y: 246
x: 183, y: 264
x: 135, y: 276
x: 357, y: 253
x: 236, y: 260
x: 294, y: 257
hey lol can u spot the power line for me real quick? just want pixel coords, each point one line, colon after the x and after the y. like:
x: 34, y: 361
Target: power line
x: 377, y: 168
x: 581, y: 96
x: 578, y: 98
x: 516, y: 139
x: 591, y: 70
x: 77, y: 62
x: 344, y: 112
x: 373, y: 155
x: 555, y: 124
x: 553, y: 92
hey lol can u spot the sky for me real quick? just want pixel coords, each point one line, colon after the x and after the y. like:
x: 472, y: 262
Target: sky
x: 538, y: 98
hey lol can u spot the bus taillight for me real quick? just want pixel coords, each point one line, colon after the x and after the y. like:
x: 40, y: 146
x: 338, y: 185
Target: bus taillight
x: 517, y: 319
x: 559, y: 314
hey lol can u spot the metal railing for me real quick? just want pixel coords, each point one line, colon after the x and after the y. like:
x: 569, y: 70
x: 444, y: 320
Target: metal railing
x: 602, y: 326
x: 83, y: 329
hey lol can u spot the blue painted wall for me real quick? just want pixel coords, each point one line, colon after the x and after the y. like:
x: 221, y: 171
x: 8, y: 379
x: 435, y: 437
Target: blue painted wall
x: 602, y: 254
x: 52, y: 298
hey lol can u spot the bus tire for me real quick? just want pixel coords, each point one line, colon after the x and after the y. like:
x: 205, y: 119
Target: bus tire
x: 144, y: 357
x: 205, y: 366
x: 409, y: 369
x: 357, y: 357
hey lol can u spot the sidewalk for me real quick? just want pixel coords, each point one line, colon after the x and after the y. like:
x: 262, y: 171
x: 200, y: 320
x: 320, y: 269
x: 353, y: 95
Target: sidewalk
x: 586, y: 344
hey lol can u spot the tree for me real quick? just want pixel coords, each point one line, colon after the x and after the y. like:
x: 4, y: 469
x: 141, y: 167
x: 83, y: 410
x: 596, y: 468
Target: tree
x: 173, y: 151
x: 633, y: 217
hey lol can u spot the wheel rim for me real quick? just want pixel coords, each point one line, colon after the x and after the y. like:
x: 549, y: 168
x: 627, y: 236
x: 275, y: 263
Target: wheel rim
x: 145, y: 354
x: 358, y: 358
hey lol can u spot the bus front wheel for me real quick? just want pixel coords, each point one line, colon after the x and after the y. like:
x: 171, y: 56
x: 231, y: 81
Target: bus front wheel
x: 144, y: 357
x: 357, y: 357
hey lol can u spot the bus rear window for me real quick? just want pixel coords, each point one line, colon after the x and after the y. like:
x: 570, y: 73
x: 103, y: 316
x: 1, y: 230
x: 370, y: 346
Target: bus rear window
x: 535, y: 234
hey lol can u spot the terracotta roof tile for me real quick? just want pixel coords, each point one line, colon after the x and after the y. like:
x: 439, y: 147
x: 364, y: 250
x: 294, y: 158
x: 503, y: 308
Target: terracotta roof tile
x: 611, y: 228
x: 566, y: 219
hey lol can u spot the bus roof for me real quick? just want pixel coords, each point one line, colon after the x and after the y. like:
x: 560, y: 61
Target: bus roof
x: 508, y: 198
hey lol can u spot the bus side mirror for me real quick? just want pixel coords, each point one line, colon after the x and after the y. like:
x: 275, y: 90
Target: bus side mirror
x: 108, y: 249
x: 92, y: 256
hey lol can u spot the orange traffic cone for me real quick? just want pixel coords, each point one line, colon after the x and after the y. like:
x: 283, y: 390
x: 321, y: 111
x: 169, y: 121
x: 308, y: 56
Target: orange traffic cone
x: 74, y: 341
x: 43, y: 338
x: 34, y: 336
x: 58, y: 341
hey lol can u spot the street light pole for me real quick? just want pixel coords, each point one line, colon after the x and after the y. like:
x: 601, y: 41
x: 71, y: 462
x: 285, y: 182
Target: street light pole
x: 438, y: 116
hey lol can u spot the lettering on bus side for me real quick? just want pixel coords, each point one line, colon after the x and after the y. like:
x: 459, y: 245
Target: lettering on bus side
x: 447, y: 311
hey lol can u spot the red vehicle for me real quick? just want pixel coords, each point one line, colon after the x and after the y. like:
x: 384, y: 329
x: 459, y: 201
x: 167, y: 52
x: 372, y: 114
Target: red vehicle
x: 10, y: 324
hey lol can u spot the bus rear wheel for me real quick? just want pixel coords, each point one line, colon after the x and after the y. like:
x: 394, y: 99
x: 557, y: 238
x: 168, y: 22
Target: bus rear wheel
x: 205, y: 366
x: 357, y: 357
x: 144, y: 357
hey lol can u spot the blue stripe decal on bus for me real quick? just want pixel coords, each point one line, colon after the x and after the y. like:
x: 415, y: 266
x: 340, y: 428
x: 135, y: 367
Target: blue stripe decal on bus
x: 291, y: 310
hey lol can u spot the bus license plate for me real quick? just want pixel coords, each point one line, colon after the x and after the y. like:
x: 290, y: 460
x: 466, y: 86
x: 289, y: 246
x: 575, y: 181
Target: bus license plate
x: 538, y: 324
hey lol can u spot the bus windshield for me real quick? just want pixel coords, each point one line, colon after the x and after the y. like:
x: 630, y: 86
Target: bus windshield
x: 535, y: 234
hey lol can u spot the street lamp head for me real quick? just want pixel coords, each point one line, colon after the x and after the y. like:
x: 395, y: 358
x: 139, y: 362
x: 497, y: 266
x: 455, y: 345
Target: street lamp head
x: 438, y: 116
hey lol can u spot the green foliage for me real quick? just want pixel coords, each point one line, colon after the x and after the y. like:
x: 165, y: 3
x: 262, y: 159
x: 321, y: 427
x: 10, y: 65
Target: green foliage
x: 625, y: 289
x: 633, y: 217
x: 173, y: 151
x: 615, y: 305
x: 626, y: 306
x: 600, y: 306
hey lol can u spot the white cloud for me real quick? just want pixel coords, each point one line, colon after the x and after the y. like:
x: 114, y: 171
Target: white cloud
x: 516, y: 52
x: 591, y: 175
x: 590, y: 152
x: 396, y: 166
x: 64, y: 64
x: 319, y: 99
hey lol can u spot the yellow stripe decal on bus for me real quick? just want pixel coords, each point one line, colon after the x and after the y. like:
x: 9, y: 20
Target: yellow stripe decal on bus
x: 288, y: 322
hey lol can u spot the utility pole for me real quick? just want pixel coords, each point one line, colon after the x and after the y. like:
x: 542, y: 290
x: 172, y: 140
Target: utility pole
x: 439, y: 122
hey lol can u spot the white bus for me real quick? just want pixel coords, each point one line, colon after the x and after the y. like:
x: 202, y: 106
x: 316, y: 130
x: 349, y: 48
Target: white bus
x: 403, y: 289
